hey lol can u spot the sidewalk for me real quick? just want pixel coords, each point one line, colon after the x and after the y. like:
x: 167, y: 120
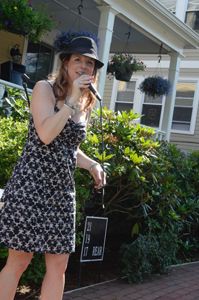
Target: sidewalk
x: 182, y: 283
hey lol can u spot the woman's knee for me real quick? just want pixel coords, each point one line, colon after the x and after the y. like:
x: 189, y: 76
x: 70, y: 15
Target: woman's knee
x: 18, y: 261
x: 56, y: 263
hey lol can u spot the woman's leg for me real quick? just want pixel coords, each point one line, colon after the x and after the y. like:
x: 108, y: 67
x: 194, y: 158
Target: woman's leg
x: 16, y: 264
x: 54, y: 279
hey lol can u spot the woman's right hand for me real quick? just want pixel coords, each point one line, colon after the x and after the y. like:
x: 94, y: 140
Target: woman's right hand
x: 79, y: 86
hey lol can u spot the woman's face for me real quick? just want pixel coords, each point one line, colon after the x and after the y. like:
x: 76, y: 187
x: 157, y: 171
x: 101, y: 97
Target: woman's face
x: 79, y: 64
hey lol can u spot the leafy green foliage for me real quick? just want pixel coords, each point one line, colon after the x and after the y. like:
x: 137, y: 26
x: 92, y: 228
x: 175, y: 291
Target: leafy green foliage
x: 14, y: 104
x: 125, y: 62
x: 128, y: 151
x: 12, y: 138
x: 151, y: 196
x: 14, y: 116
x: 3, y: 252
x: 147, y: 255
x: 123, y: 65
x: 20, y: 17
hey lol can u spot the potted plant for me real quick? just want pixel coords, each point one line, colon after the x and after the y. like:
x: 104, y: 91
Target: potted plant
x: 122, y: 66
x: 18, y: 16
x: 155, y: 86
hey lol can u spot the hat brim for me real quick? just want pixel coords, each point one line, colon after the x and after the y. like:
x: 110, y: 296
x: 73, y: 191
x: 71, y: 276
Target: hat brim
x: 98, y: 63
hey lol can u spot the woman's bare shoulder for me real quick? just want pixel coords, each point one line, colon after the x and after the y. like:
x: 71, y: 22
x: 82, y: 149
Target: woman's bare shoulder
x: 44, y: 83
x: 43, y: 90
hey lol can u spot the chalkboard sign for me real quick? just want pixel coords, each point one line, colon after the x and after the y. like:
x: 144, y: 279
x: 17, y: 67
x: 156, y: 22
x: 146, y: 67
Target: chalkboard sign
x: 94, y: 239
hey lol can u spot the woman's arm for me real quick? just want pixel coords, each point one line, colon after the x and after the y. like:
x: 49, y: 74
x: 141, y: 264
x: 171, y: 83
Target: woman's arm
x: 48, y: 124
x: 95, y: 169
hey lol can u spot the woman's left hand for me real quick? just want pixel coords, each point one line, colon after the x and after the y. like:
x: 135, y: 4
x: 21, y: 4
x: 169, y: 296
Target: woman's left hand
x: 98, y: 175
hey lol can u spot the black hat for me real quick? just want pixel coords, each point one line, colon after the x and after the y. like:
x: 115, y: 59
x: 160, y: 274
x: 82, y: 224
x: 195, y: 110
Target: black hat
x: 81, y: 44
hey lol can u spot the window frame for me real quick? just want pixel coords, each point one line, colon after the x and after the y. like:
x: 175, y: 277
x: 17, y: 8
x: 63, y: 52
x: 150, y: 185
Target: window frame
x: 194, y: 107
x: 186, y: 18
x: 116, y: 86
x: 162, y: 110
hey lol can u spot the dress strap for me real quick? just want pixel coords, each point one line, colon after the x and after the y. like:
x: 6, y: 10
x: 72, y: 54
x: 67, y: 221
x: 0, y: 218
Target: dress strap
x: 49, y: 83
x: 52, y: 91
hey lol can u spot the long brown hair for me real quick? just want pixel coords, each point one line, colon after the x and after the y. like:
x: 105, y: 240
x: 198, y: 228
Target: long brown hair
x: 61, y: 85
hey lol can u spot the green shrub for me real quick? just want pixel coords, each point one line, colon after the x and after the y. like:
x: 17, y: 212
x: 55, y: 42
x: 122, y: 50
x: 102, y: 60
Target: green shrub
x: 14, y: 104
x: 147, y: 255
x: 14, y: 115
x: 152, y: 187
x: 127, y: 152
x: 12, y: 138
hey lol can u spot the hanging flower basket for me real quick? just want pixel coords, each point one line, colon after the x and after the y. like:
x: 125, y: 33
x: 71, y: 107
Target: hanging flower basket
x: 123, y: 75
x: 18, y: 16
x: 122, y: 66
x: 155, y: 86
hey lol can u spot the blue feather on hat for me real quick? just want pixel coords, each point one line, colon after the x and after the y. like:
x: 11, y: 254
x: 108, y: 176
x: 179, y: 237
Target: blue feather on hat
x: 63, y: 39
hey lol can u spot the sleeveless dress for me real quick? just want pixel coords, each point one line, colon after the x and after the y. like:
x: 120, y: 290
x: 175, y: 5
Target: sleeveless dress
x: 39, y: 200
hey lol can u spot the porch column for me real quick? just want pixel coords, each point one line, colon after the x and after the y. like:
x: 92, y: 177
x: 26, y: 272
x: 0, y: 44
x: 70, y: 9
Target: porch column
x: 181, y: 8
x: 173, y: 75
x: 105, y: 33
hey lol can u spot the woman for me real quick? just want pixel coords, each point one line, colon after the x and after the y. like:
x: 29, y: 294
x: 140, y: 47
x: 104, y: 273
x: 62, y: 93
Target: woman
x: 39, y: 211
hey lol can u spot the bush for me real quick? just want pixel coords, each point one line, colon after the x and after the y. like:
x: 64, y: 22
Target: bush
x: 128, y: 151
x: 12, y: 138
x: 147, y: 255
x: 14, y: 104
x: 14, y: 117
x: 20, y: 17
x: 152, y: 187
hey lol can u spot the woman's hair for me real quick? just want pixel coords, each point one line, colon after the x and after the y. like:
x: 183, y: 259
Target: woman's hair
x: 60, y: 86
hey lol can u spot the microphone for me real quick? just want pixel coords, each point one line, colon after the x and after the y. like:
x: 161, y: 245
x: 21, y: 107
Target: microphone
x: 95, y: 92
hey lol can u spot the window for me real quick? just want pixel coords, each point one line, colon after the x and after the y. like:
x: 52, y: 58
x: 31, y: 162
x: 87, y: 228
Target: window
x: 39, y: 60
x: 192, y: 20
x: 183, y: 109
x: 192, y: 15
x: 125, y: 96
x: 151, y: 111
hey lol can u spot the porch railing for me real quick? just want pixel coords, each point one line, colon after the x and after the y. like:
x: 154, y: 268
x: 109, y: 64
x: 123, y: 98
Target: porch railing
x: 13, y: 85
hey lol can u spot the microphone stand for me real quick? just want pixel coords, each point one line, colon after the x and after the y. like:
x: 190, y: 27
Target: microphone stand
x: 102, y: 148
x: 24, y: 84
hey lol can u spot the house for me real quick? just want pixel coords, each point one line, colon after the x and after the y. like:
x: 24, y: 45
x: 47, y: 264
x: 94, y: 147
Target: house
x: 185, y: 117
x: 146, y: 28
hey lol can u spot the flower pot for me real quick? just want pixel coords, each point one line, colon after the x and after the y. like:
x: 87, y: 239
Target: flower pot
x: 155, y: 86
x: 123, y: 76
x: 123, y: 65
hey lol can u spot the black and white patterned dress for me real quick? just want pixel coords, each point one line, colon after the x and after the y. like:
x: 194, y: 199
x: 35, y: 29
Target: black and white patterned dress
x: 39, y: 210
